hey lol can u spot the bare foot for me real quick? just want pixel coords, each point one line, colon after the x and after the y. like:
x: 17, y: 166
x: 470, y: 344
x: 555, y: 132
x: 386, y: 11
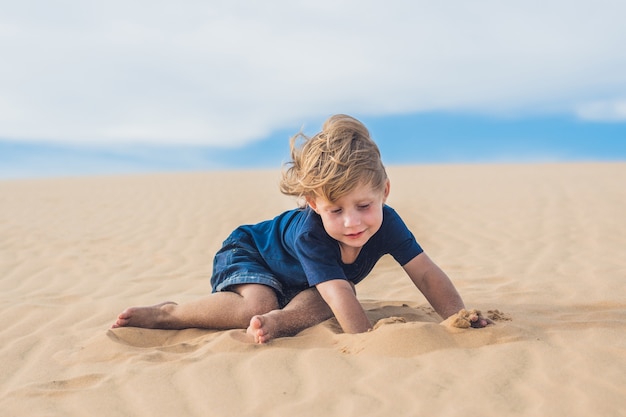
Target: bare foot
x: 262, y: 328
x: 150, y: 317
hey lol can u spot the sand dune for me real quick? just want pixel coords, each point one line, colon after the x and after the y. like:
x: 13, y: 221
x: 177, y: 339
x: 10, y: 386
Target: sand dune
x: 539, y: 248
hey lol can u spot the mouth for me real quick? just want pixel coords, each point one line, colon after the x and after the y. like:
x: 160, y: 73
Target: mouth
x: 355, y: 235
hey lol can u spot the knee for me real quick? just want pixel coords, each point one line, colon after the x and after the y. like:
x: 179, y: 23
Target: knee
x: 262, y: 305
x: 259, y: 299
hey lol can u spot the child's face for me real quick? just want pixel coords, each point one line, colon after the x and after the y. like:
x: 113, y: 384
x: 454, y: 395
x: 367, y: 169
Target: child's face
x: 354, y: 218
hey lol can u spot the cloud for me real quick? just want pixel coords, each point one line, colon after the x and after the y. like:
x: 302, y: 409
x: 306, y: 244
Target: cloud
x: 603, y: 111
x: 226, y: 73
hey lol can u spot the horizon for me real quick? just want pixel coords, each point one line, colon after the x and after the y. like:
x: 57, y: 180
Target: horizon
x: 403, y: 140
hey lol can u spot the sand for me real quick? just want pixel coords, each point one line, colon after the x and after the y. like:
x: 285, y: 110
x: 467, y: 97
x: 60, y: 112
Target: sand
x: 538, y: 248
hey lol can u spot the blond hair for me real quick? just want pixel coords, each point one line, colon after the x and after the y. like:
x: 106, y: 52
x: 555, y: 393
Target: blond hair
x: 333, y: 162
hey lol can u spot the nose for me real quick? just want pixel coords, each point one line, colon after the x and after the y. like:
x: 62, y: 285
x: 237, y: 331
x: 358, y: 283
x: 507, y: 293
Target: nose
x: 351, y: 219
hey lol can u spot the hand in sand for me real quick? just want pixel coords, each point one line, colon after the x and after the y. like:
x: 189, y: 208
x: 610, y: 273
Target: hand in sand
x: 465, y: 319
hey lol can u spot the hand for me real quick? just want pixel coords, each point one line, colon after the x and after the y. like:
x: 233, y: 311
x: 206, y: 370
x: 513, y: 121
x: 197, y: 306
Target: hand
x: 465, y: 319
x: 477, y: 320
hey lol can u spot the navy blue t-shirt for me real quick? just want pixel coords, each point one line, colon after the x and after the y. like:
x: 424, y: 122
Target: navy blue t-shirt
x: 299, y: 252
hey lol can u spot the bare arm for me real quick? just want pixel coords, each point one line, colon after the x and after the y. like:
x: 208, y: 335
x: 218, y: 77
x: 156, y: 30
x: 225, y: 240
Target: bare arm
x: 435, y: 285
x: 340, y: 297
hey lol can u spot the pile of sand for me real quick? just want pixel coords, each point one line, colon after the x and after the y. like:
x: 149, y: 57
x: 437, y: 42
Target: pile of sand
x: 538, y: 248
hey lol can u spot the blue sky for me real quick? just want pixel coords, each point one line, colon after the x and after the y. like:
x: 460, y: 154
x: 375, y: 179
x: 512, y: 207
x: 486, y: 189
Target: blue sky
x: 144, y: 86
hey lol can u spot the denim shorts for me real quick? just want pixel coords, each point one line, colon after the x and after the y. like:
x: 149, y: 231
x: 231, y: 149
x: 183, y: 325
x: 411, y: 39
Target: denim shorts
x: 239, y: 262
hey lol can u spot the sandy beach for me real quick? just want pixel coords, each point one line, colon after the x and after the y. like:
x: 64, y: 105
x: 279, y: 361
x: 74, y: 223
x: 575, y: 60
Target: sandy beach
x: 539, y: 248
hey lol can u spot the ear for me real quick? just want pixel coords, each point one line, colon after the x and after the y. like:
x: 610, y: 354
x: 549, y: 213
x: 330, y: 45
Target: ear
x: 312, y: 203
x: 386, y: 191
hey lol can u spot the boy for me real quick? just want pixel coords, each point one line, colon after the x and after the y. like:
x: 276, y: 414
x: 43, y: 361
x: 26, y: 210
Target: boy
x: 281, y: 276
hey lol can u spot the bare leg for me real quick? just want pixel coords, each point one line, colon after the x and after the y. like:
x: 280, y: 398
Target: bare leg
x: 307, y: 309
x: 221, y: 310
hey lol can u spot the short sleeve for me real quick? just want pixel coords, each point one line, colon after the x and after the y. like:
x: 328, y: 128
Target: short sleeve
x: 319, y: 256
x: 399, y: 241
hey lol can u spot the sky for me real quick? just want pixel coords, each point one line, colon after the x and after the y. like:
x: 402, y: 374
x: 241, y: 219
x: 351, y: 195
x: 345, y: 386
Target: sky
x: 141, y: 86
